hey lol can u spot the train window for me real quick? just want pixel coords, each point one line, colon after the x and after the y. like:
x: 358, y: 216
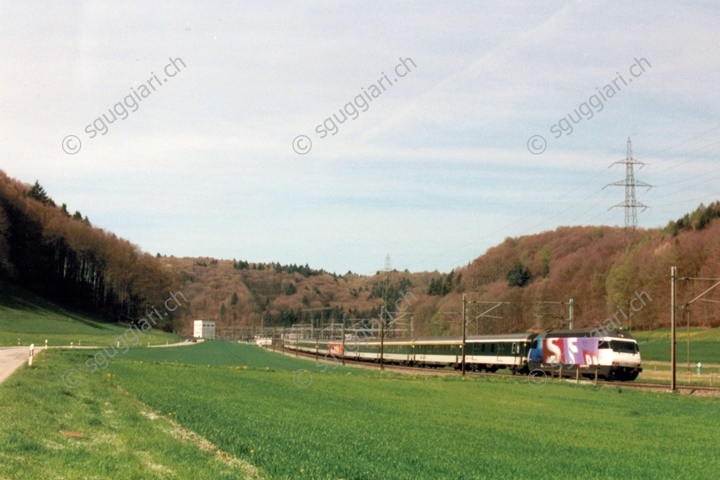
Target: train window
x: 624, y: 347
x: 603, y: 345
x: 492, y: 348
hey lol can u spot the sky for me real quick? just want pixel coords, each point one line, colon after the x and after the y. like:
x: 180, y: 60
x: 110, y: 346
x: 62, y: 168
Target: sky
x: 338, y: 133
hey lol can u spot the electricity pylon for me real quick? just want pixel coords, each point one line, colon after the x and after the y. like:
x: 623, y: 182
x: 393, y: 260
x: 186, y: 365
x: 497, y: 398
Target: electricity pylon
x: 630, y: 204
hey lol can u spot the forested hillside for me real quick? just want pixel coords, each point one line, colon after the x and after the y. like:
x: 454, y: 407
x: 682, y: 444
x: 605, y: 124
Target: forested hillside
x: 602, y: 270
x: 64, y: 258
x: 243, y: 293
x: 526, y: 281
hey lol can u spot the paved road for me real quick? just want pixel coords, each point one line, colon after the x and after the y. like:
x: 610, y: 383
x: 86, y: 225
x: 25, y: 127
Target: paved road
x: 11, y: 358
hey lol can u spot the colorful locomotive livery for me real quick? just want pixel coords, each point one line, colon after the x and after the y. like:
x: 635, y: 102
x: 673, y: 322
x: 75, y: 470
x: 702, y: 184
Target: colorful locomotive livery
x: 610, y: 355
x: 573, y: 351
x: 613, y: 355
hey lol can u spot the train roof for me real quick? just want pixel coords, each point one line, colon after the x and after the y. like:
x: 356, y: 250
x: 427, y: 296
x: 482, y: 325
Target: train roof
x: 433, y: 340
x: 508, y: 337
x: 517, y: 337
x: 589, y: 332
x: 505, y: 337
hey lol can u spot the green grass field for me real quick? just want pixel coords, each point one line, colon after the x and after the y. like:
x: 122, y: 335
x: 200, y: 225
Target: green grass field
x: 704, y: 345
x: 120, y: 437
x: 348, y: 423
x: 224, y: 410
x: 32, y: 319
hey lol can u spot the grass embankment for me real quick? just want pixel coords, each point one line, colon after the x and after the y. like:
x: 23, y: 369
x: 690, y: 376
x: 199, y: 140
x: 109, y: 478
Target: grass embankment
x: 41, y: 421
x: 372, y: 425
x: 704, y: 345
x: 28, y: 318
x: 348, y: 423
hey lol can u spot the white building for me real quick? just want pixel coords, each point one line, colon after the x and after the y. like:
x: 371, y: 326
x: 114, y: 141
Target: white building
x: 204, y: 329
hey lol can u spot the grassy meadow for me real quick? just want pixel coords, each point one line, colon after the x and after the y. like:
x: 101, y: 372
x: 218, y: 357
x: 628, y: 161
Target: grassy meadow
x: 32, y: 319
x: 225, y: 410
x: 94, y: 431
x: 704, y: 345
x: 348, y: 423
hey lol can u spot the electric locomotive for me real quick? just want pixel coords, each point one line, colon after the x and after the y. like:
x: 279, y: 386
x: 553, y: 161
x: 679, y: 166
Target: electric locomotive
x: 613, y: 355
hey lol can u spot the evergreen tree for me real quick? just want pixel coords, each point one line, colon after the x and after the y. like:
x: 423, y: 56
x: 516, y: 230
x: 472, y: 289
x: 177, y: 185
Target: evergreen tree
x: 38, y: 193
x: 519, y: 275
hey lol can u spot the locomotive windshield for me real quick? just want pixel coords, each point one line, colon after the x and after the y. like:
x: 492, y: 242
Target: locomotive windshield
x: 624, y: 347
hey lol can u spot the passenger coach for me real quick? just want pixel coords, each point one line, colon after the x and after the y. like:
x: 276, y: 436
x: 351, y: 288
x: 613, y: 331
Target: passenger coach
x: 609, y: 355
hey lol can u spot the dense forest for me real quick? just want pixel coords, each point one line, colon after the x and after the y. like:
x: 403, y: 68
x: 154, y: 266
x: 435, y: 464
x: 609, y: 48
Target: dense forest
x: 64, y: 258
x: 522, y: 283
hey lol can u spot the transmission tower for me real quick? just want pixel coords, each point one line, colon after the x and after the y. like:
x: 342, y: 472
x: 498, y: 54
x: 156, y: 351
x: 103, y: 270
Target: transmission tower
x: 630, y: 204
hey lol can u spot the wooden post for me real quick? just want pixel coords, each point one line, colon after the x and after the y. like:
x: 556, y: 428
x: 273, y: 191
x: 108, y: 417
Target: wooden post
x: 382, y: 337
x: 577, y: 375
x: 596, y: 375
x: 464, y: 336
x: 673, y: 274
x: 687, y: 314
x: 343, y: 341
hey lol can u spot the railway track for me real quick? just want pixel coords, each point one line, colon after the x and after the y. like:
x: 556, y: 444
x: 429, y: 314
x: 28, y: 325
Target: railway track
x: 699, y: 390
x: 658, y: 387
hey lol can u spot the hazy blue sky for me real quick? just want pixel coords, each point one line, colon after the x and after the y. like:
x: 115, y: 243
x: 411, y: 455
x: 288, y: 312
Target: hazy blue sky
x: 435, y: 171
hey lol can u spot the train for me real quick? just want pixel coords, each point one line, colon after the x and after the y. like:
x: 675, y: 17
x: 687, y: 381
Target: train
x: 610, y: 355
